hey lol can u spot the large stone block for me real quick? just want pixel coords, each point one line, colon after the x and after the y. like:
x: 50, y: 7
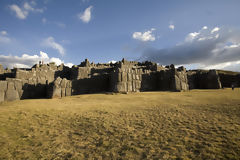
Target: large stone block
x: 11, y: 86
x: 2, y: 95
x: 124, y: 76
x: 64, y: 83
x: 129, y: 77
x: 18, y: 85
x: 119, y: 77
x: 129, y: 87
x: 133, y: 86
x: 3, y: 85
x: 63, y: 92
x: 11, y: 95
x: 68, y: 91
x: 121, y: 87
x: 138, y: 84
x: 57, y: 92
x: 57, y: 82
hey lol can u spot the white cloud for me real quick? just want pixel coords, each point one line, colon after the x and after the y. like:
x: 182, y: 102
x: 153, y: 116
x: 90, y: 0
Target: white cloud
x: 22, y: 12
x: 86, y: 15
x: 216, y: 29
x: 202, y: 35
x: 171, y: 26
x: 223, y: 65
x: 208, y: 48
x: 27, y: 61
x: 112, y: 61
x: 144, y: 36
x: 191, y: 36
x: 50, y: 42
x: 4, y: 33
x: 26, y: 6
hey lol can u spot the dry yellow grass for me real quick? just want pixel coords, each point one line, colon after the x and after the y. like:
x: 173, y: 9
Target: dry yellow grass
x: 198, y: 124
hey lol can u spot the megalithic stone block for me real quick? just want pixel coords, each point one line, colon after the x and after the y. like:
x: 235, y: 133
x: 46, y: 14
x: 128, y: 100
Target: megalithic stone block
x: 11, y: 95
x: 68, y: 91
x: 2, y: 95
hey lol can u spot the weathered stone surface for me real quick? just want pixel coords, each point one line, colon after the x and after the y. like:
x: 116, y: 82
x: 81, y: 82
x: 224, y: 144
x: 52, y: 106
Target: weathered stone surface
x: 3, y: 85
x: 1, y: 69
x: 63, y: 92
x: 204, y: 79
x: 124, y: 76
x: 11, y: 86
x: 64, y: 83
x: 2, y: 95
x: 68, y: 91
x: 11, y: 95
x: 57, y: 93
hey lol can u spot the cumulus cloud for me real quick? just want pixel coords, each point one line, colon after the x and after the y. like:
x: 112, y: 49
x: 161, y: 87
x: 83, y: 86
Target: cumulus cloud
x: 22, y: 12
x: 204, y: 27
x: 171, y: 26
x: 50, y: 42
x: 112, y: 61
x: 86, y: 15
x: 144, y: 36
x: 209, y: 48
x: 216, y: 29
x: 27, y: 61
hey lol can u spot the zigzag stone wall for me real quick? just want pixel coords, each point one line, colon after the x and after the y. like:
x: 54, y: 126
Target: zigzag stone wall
x: 49, y: 80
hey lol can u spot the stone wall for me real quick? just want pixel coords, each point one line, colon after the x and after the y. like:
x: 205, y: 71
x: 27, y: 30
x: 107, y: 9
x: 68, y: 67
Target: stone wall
x: 172, y: 79
x: 229, y: 79
x: 1, y: 69
x: 10, y: 90
x: 49, y: 80
x: 126, y: 79
x: 59, y: 88
x: 204, y: 79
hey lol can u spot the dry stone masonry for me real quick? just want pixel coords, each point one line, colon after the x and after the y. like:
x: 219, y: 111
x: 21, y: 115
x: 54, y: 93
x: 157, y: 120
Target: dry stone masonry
x: 51, y: 81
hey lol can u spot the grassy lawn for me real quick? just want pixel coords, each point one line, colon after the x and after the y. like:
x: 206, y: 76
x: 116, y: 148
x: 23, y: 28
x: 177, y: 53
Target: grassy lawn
x: 197, y: 124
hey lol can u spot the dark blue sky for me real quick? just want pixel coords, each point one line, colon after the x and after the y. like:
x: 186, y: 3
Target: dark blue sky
x: 106, y: 30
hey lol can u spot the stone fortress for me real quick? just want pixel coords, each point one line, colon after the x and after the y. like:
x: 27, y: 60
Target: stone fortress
x: 49, y: 80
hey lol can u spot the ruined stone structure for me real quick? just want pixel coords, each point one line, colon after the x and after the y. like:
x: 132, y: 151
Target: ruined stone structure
x: 50, y: 81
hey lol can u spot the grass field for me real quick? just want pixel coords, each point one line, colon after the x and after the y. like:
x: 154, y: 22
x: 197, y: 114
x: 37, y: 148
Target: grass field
x: 197, y: 124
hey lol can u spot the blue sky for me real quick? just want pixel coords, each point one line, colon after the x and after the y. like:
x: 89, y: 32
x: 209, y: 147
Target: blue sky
x: 172, y: 31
